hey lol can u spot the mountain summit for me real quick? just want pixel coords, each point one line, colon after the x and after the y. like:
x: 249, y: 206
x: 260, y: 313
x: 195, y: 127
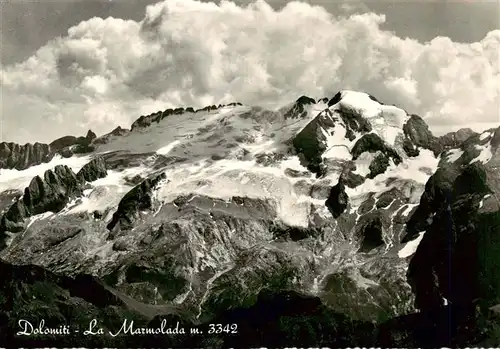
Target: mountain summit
x: 348, y: 201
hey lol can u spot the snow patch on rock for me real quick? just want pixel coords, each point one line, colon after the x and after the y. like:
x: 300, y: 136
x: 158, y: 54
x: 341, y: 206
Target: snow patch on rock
x: 485, y: 154
x: 411, y: 247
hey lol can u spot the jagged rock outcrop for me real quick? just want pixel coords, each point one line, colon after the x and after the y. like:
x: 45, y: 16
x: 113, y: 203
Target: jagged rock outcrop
x: 378, y: 165
x: 409, y: 148
x: 136, y: 200
x: 417, y: 131
x: 337, y: 200
x: 455, y: 139
x: 315, y: 138
x: 298, y: 110
x: 49, y: 194
x: 69, y: 145
x: 90, y: 135
x: 119, y: 131
x: 146, y: 120
x: 93, y: 170
x: 20, y: 157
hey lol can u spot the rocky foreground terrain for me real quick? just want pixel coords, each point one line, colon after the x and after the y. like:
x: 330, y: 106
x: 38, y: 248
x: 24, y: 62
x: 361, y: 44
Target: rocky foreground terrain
x: 338, y: 222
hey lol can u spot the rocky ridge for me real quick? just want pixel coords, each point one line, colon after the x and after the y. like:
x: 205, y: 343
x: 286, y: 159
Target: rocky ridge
x: 20, y: 157
x: 49, y: 194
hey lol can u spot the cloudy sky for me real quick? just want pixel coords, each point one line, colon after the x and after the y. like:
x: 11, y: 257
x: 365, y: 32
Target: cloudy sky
x: 70, y: 65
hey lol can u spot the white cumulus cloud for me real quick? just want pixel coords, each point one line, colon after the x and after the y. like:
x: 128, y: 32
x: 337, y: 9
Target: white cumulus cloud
x: 108, y: 72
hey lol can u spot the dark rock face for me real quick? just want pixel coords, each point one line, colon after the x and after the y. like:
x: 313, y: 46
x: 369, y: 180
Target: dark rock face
x: 311, y: 142
x: 378, y: 165
x: 337, y: 200
x: 455, y: 139
x: 158, y: 270
x: 278, y: 316
x: 298, y: 111
x: 387, y: 197
x: 374, y: 99
x: 367, y: 205
x: 495, y: 140
x: 454, y: 326
x: 208, y: 108
x: 7, y: 198
x: 410, y: 149
x: 320, y: 190
x: 294, y: 173
x: 418, y: 132
x: 63, y: 142
x: 372, y: 143
x: 69, y: 145
x: 352, y: 180
x: 147, y: 120
x: 434, y: 199
x: 93, y: 170
x: 371, y: 235
x: 335, y: 99
x: 143, y: 121
x: 20, y: 157
x: 293, y: 233
x: 136, y: 200
x: 458, y: 256
x: 354, y: 122
x: 91, y: 136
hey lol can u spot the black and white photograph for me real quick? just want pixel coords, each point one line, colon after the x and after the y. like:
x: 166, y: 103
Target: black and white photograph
x: 250, y: 173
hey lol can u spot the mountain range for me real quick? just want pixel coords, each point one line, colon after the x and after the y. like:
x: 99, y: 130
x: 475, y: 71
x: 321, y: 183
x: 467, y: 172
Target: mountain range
x: 334, y: 222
